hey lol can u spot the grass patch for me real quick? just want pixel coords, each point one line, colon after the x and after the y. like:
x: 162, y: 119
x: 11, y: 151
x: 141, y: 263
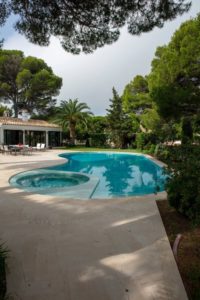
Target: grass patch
x: 189, y: 248
x: 3, y: 256
x: 85, y: 149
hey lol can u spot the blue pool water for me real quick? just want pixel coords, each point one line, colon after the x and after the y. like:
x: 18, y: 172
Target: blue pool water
x: 119, y: 174
x: 48, y: 180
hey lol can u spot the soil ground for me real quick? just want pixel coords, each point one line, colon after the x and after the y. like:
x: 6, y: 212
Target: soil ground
x: 188, y: 259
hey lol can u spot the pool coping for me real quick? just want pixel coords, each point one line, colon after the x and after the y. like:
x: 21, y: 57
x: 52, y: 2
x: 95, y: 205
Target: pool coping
x: 81, y: 191
x: 84, y: 191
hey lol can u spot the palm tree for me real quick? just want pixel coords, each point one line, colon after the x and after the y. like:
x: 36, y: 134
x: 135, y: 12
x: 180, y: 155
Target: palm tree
x: 70, y: 113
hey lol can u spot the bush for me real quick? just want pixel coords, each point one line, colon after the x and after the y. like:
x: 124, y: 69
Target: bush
x: 3, y: 256
x: 162, y: 152
x: 145, y: 140
x: 187, y: 132
x: 183, y: 186
x: 98, y: 139
x: 140, y: 140
x: 152, y: 149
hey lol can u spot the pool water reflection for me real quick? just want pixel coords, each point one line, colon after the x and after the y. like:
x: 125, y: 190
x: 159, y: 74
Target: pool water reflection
x: 120, y: 174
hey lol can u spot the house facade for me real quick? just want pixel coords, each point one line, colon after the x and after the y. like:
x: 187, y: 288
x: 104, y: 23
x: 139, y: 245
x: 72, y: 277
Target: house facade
x: 15, y: 131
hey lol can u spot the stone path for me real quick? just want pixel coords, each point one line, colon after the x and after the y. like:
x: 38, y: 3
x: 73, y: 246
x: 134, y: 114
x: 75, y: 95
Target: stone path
x: 63, y: 249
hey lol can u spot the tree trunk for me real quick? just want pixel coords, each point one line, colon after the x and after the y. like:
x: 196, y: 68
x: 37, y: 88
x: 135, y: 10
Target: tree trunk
x: 72, y: 132
x: 187, y: 131
x: 15, y: 107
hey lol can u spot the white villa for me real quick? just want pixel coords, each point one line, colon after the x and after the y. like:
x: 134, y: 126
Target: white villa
x: 15, y: 131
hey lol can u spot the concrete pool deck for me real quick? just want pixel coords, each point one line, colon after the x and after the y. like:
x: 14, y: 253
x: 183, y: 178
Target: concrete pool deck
x: 63, y: 249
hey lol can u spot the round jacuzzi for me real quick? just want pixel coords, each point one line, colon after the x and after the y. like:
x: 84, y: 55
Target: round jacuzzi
x: 50, y: 180
x: 41, y: 180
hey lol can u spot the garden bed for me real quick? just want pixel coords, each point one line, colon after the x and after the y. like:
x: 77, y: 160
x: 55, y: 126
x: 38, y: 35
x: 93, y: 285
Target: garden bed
x: 188, y: 258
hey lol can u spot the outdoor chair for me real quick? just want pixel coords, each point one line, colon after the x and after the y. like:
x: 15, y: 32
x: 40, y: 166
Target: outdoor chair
x: 7, y: 149
x: 38, y: 147
x: 42, y: 147
x: 2, y: 149
x: 26, y: 150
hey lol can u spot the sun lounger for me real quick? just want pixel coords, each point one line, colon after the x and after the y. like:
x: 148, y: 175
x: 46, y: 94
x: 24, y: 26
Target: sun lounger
x: 38, y: 146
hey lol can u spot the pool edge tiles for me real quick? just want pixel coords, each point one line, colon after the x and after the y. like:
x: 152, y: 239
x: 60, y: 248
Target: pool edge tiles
x: 80, y: 191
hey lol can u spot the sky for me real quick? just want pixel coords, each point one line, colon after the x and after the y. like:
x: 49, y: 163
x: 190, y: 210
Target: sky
x: 90, y: 77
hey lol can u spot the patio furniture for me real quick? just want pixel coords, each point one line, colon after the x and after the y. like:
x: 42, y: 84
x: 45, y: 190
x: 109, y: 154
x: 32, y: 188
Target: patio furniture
x: 26, y: 150
x: 7, y: 150
x: 2, y: 149
x: 38, y: 146
x: 42, y: 147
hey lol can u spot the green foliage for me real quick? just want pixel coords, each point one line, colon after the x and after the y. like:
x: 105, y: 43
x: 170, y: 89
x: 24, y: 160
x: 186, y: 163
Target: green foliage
x: 151, y: 120
x: 1, y: 43
x: 187, y: 131
x: 96, y: 131
x: 162, y: 152
x: 183, y: 187
x: 175, y: 79
x: 119, y: 122
x: 175, y: 76
x: 146, y: 141
x: 70, y: 113
x: 86, y: 25
x: 135, y: 96
x: 50, y: 114
x: 3, y: 257
x: 97, y: 124
x: 193, y: 275
x: 98, y: 139
x: 4, y: 109
x: 140, y: 140
x: 28, y: 83
x: 196, y: 123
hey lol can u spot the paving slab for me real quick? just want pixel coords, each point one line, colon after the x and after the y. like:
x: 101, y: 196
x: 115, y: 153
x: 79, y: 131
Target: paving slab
x: 65, y: 249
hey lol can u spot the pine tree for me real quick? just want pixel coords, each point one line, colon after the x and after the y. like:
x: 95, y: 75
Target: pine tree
x: 119, y: 123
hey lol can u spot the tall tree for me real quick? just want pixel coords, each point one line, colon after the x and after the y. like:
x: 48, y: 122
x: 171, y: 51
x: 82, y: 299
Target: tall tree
x: 5, y: 109
x: 27, y: 82
x: 136, y: 95
x: 86, y: 25
x: 97, y: 124
x: 70, y: 113
x: 174, y: 80
x: 175, y: 76
x: 119, y: 122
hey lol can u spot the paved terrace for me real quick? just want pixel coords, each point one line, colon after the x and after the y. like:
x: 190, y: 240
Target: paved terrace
x: 83, y: 250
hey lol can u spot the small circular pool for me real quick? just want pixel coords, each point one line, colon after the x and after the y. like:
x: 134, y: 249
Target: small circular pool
x: 51, y: 180
x: 43, y: 179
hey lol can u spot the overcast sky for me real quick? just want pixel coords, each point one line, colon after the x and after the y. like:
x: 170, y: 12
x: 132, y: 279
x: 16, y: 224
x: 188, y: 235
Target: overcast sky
x: 90, y: 77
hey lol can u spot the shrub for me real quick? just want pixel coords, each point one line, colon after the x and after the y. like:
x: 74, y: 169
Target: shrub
x: 140, y: 140
x: 145, y: 140
x: 162, y: 152
x: 183, y: 186
x: 98, y: 139
x: 3, y: 256
x: 187, y: 132
x: 152, y: 149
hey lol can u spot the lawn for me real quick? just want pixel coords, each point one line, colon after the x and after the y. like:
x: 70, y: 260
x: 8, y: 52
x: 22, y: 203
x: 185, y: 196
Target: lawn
x: 83, y: 148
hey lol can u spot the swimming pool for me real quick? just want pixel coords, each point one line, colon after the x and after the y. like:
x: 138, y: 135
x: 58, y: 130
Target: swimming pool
x: 120, y: 174
x: 95, y: 175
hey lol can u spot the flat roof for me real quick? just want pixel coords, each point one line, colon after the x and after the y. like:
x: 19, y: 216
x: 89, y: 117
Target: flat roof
x: 30, y: 122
